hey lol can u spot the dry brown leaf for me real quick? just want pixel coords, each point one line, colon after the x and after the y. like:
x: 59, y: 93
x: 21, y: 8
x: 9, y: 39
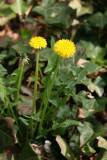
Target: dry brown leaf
x: 12, y: 150
x: 24, y: 109
x: 28, y: 11
x: 26, y: 90
x: 81, y: 113
x: 81, y: 61
x: 8, y: 32
x: 10, y: 121
x: 96, y: 74
x: 37, y: 149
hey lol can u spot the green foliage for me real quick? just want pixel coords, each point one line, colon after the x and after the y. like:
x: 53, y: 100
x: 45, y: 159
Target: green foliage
x: 6, y: 138
x: 27, y: 153
x: 19, y: 7
x: 3, y: 90
x: 95, y: 53
x: 7, y: 14
x: 54, y: 12
x: 86, y: 132
x: 78, y: 96
x: 81, y: 7
x: 98, y: 19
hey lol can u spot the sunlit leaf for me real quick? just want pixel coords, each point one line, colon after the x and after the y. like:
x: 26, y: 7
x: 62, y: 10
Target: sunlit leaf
x: 65, y: 149
x: 97, y: 86
x: 19, y: 7
x: 102, y: 142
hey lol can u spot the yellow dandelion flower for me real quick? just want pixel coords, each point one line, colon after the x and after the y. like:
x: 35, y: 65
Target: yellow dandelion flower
x: 38, y: 42
x: 65, y: 48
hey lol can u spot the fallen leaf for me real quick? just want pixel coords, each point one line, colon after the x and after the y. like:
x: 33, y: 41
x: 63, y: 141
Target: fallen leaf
x: 81, y: 61
x: 81, y: 113
x: 26, y: 90
x: 96, y: 74
x: 10, y: 121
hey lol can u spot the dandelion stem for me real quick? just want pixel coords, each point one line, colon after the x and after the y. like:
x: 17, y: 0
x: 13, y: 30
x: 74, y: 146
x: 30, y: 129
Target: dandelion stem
x: 36, y: 79
x: 35, y: 90
x: 19, y: 85
x: 48, y: 96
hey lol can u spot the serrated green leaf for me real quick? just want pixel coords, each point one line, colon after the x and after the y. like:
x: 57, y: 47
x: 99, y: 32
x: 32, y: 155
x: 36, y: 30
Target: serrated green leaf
x: 24, y: 121
x: 52, y: 58
x: 22, y: 47
x: 3, y: 71
x: 3, y: 90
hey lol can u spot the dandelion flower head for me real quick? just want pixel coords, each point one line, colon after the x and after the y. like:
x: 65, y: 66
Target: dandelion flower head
x: 38, y: 42
x: 65, y: 48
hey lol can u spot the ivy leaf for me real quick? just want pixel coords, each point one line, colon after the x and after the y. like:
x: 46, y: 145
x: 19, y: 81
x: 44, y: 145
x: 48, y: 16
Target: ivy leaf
x: 54, y: 12
x: 19, y: 7
x: 102, y: 143
x: 98, y: 19
x: 91, y: 67
x: 91, y: 106
x: 99, y: 129
x: 88, y: 150
x: 81, y: 10
x: 97, y: 86
x: 86, y: 133
x: 95, y: 53
x: 65, y: 124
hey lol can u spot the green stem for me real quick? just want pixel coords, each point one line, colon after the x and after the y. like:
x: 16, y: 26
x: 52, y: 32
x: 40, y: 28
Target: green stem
x: 43, y: 98
x: 48, y: 96
x: 49, y: 111
x: 19, y: 85
x: 13, y: 115
x: 36, y: 79
x: 35, y: 92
